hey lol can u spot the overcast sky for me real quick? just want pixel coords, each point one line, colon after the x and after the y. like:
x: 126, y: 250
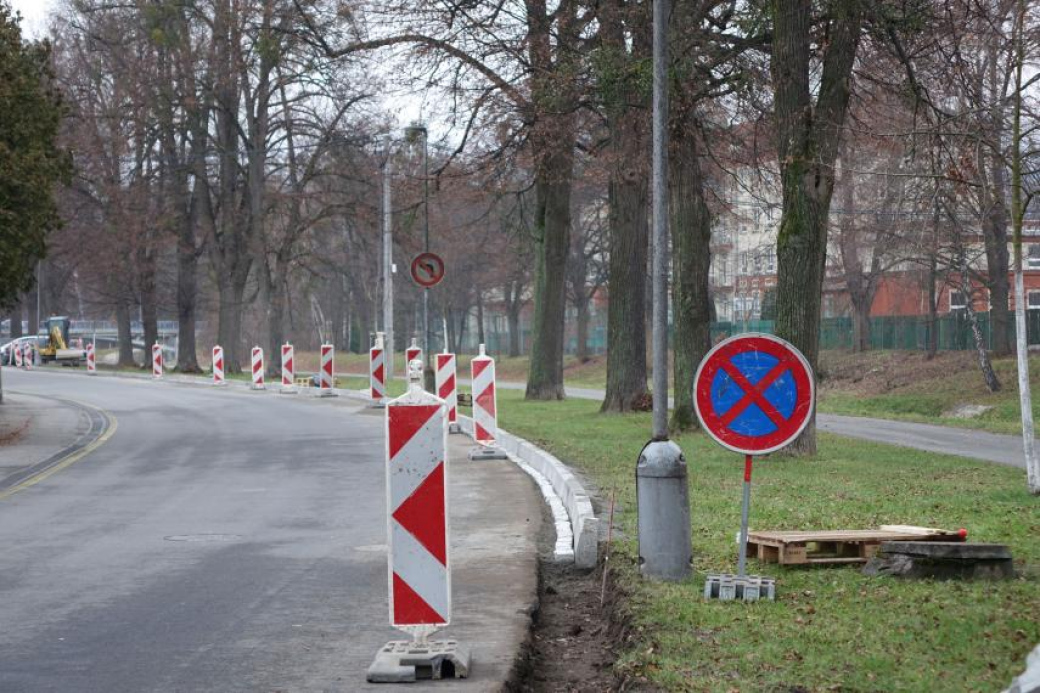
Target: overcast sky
x: 405, y: 107
x: 34, y: 15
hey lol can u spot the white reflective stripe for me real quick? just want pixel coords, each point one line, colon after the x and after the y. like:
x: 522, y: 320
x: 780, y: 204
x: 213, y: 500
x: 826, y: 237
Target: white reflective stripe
x: 423, y: 573
x: 374, y: 362
x: 416, y: 459
x: 287, y: 365
x: 325, y: 379
x: 444, y: 373
x: 482, y: 383
x: 486, y: 377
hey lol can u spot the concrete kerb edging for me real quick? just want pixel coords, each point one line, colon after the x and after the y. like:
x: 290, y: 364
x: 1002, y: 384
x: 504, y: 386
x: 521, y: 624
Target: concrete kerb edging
x: 577, y: 527
x: 584, y: 524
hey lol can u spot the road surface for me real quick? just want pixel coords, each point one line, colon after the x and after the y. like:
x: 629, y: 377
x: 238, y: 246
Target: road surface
x: 224, y: 540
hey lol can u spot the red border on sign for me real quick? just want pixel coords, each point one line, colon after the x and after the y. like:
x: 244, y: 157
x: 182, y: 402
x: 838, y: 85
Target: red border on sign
x: 791, y: 360
x: 436, y: 259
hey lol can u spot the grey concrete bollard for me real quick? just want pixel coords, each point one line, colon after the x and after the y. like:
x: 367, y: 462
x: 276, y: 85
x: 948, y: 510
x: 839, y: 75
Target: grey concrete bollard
x: 663, y: 496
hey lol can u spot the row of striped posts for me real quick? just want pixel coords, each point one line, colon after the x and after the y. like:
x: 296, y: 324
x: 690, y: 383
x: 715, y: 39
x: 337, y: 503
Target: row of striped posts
x: 418, y: 566
x: 418, y: 422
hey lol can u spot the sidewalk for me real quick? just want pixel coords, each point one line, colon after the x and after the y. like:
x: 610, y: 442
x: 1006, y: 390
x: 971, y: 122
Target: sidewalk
x: 34, y: 431
x: 37, y: 433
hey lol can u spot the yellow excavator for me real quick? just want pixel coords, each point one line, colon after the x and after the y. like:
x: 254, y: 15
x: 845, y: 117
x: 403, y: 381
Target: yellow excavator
x: 57, y: 346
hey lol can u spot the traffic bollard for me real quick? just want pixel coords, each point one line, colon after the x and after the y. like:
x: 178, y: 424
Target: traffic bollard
x: 327, y: 373
x: 377, y: 372
x: 288, y: 370
x: 257, y: 358
x: 446, y: 388
x: 485, y: 408
x: 419, y: 565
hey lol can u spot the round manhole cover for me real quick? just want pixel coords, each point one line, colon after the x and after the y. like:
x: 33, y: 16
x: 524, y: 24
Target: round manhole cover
x: 203, y: 537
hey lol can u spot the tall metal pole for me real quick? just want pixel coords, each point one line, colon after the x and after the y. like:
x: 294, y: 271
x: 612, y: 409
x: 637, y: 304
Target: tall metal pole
x: 388, y: 265
x: 660, y: 219
x: 427, y: 367
x: 662, y: 492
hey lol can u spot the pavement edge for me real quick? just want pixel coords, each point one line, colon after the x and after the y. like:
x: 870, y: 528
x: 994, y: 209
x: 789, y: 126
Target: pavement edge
x: 103, y: 426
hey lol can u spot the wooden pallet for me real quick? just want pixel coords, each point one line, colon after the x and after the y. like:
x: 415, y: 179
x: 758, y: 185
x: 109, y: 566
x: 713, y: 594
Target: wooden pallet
x: 835, y: 546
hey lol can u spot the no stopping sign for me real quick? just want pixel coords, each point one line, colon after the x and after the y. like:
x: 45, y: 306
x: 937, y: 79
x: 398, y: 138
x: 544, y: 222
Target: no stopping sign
x: 754, y: 393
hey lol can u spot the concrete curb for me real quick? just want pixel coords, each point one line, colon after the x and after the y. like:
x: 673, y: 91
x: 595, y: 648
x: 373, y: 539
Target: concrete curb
x: 576, y: 501
x: 577, y: 531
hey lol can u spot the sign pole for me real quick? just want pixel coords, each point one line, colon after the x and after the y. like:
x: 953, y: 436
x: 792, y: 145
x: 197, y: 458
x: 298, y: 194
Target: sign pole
x: 753, y: 394
x: 742, y: 556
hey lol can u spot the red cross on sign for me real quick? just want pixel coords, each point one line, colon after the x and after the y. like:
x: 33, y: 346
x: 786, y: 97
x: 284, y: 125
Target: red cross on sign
x: 754, y: 393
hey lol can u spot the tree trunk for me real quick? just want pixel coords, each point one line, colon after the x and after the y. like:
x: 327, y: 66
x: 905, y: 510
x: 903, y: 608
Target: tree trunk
x: 149, y: 310
x: 554, y: 103
x: 628, y: 221
x: 994, y: 227
x: 187, y: 289
x: 15, y: 317
x: 481, y: 336
x: 275, y: 321
x: 31, y: 312
x: 807, y: 146
x: 583, y: 331
x: 553, y: 224
x: 626, y: 285
x: 125, y: 334
x: 513, y: 307
x: 988, y: 375
x: 691, y: 261
x: 860, y: 322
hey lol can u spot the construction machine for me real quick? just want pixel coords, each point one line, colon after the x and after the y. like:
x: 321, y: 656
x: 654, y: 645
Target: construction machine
x: 57, y: 348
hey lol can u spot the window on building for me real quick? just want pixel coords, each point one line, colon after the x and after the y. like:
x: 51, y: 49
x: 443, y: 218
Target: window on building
x: 721, y: 267
x: 1033, y: 302
x: 1033, y: 257
x: 756, y: 306
x: 957, y: 300
x: 758, y: 263
x: 771, y: 261
x: 744, y: 262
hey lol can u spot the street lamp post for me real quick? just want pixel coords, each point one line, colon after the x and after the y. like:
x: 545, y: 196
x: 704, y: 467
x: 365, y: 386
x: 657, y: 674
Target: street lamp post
x: 388, y: 266
x: 411, y: 132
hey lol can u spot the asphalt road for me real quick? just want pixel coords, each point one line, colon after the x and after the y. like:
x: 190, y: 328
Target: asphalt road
x: 224, y: 540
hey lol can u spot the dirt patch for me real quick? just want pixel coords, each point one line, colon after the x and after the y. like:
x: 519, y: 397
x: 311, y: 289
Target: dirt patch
x: 878, y: 373
x: 13, y: 428
x: 577, y: 634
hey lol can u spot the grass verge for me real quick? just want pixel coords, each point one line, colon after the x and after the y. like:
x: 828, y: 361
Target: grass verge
x: 906, y: 386
x: 830, y: 628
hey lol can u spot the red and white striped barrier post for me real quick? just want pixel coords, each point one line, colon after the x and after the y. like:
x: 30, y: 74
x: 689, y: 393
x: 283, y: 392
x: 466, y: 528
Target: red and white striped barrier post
x: 485, y: 408
x: 157, y: 360
x: 91, y: 359
x: 29, y: 357
x: 419, y: 567
x: 257, y: 359
x: 218, y: 366
x: 377, y: 371
x: 327, y: 374
x: 16, y: 358
x: 446, y: 388
x: 288, y: 370
x: 412, y: 353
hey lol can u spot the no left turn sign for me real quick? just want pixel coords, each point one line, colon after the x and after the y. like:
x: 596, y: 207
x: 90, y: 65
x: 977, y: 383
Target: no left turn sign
x: 427, y: 270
